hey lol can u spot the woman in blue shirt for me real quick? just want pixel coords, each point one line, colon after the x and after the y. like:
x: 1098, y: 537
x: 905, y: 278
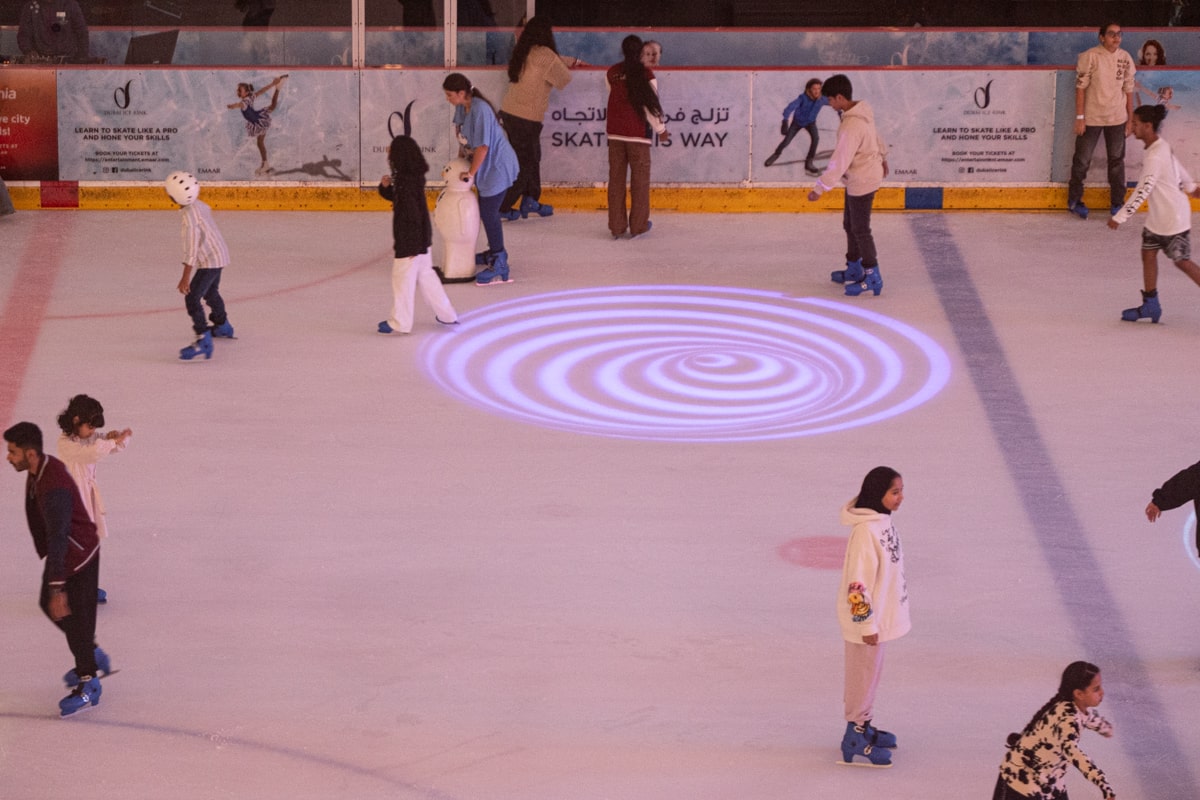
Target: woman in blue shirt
x: 493, y: 166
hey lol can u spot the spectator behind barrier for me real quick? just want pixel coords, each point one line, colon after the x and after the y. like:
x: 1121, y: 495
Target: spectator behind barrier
x: 53, y: 30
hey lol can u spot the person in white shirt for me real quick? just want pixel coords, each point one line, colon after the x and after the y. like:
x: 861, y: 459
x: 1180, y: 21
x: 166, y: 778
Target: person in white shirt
x: 1104, y: 83
x: 1166, y: 185
x: 872, y: 609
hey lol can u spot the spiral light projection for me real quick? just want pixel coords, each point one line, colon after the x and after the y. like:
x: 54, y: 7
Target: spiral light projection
x: 687, y: 363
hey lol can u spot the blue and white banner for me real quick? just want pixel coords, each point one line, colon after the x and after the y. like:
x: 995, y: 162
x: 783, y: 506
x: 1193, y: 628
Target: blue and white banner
x: 121, y: 125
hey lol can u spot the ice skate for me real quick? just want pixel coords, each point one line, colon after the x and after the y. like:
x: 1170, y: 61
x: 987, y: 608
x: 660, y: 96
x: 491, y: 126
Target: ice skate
x: 1078, y: 209
x: 872, y: 282
x: 85, y: 695
x: 222, y: 331
x: 511, y: 215
x: 811, y: 168
x: 855, y: 743
x: 103, y: 667
x: 853, y: 273
x: 101, y: 596
x: 1149, y: 308
x: 202, y: 346
x: 530, y: 206
x: 771, y: 159
x: 496, y: 271
x: 879, y: 738
x: 385, y: 328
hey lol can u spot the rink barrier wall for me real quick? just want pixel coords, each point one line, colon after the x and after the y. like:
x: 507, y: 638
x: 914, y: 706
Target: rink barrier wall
x: 690, y: 199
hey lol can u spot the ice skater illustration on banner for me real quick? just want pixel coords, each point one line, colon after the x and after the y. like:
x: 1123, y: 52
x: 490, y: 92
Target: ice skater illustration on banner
x: 204, y: 250
x: 801, y: 114
x: 412, y: 235
x: 1036, y: 761
x: 80, y: 448
x: 258, y: 120
x: 1166, y: 186
x: 872, y: 609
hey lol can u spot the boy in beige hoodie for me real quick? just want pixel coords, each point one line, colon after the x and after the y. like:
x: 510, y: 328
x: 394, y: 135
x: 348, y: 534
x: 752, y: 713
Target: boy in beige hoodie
x: 860, y: 161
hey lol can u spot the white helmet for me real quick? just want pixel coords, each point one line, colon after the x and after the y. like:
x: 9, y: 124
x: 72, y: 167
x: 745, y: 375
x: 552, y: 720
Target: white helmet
x: 182, y: 187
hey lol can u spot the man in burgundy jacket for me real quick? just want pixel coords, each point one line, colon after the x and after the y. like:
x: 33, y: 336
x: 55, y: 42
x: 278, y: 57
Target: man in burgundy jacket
x: 65, y: 536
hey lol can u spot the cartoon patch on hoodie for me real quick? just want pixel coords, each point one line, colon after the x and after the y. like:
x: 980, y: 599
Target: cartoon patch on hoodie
x: 860, y: 602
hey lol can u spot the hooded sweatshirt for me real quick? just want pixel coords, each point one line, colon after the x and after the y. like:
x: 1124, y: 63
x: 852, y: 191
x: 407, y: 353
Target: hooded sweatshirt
x: 873, y: 597
x: 858, y: 155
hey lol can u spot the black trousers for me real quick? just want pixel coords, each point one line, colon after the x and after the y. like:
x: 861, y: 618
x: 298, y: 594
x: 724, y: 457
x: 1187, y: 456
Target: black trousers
x: 525, y: 136
x: 80, y: 625
x: 1114, y: 148
x: 792, y: 130
x: 856, y: 221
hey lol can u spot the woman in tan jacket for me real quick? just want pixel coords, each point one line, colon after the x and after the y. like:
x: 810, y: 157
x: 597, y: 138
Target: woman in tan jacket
x: 534, y: 69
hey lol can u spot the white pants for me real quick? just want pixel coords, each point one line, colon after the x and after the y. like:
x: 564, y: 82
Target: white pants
x: 864, y: 666
x: 409, y: 274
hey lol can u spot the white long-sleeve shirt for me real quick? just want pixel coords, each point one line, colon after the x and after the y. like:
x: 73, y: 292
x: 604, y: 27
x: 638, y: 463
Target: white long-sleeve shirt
x: 80, y: 456
x: 1166, y: 184
x: 203, y: 245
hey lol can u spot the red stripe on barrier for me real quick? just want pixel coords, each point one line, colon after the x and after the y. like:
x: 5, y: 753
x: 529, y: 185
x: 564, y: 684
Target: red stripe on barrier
x: 60, y: 194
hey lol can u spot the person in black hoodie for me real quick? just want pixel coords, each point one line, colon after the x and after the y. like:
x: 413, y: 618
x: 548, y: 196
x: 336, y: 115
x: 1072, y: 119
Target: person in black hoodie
x: 1179, y: 489
x: 412, y: 234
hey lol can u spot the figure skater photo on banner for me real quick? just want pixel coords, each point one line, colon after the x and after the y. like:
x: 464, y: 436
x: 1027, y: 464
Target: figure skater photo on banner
x: 258, y: 120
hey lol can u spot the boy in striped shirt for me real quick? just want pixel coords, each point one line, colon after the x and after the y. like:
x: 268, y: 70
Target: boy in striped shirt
x: 204, y: 256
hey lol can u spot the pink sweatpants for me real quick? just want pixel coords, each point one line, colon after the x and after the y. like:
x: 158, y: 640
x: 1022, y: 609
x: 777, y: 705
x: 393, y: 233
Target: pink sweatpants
x: 864, y: 665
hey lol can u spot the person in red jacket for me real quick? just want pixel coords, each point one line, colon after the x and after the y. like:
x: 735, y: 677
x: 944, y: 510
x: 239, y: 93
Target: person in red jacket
x: 634, y: 115
x: 65, y: 536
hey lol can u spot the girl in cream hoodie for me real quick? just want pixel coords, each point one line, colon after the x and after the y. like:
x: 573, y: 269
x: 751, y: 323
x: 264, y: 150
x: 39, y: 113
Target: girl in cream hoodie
x: 872, y: 609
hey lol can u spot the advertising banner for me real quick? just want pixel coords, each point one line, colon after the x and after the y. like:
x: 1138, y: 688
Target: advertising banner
x: 221, y: 125
x: 28, y: 125
x: 940, y: 126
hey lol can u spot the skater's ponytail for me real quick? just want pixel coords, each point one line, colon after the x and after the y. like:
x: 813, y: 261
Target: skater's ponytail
x: 637, y: 82
x: 537, y: 32
x: 457, y: 82
x: 1076, y: 677
x: 1152, y: 114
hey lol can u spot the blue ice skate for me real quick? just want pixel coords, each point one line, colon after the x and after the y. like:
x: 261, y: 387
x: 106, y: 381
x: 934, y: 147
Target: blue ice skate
x: 856, y: 743
x: 531, y: 206
x: 496, y: 271
x: 103, y: 667
x: 1149, y: 308
x: 222, y: 331
x: 853, y: 273
x: 81, y: 698
x: 1078, y: 209
x: 202, y: 346
x: 872, y: 282
x: 879, y: 738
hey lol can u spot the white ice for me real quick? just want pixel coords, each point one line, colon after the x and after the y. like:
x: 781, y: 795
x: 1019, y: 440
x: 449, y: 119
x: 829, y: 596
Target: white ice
x: 331, y: 579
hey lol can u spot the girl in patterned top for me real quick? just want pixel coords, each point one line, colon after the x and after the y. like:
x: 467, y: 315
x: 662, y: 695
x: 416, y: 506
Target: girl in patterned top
x: 258, y: 120
x: 1035, y: 763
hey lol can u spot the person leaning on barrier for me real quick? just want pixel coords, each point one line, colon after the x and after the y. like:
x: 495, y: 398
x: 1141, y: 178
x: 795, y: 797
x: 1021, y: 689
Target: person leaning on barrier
x: 53, y: 29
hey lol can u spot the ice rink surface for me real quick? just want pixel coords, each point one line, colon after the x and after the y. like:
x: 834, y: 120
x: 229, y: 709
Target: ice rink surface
x: 586, y: 544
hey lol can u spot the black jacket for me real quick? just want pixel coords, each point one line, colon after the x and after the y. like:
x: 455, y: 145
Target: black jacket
x: 411, y: 228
